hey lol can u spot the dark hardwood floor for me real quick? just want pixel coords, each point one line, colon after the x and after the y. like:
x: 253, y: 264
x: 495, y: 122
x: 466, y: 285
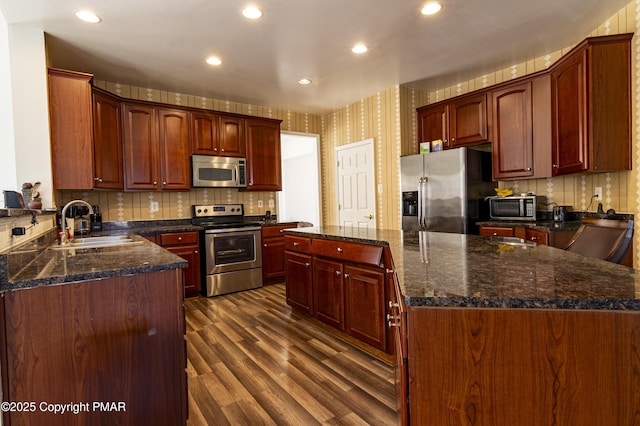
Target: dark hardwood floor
x: 251, y: 362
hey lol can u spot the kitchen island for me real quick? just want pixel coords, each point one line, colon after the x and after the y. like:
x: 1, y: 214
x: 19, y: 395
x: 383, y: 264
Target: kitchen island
x: 489, y: 332
x: 98, y: 333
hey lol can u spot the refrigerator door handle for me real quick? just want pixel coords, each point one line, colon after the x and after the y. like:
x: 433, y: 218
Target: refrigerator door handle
x: 420, y: 203
x: 423, y: 202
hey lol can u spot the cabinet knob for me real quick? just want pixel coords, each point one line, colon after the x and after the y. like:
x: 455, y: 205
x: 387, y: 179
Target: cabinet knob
x: 155, y: 183
x: 392, y: 324
x: 222, y: 150
x: 164, y: 183
x: 307, y: 264
x: 528, y: 169
x: 338, y: 272
x: 495, y: 234
x: 295, y: 243
x: 555, y: 166
x: 264, y: 245
x: 346, y: 275
x: 98, y: 179
x: 453, y: 139
x: 389, y: 271
x: 215, y: 149
x: 339, y: 249
x: 393, y: 305
x: 446, y: 142
x: 195, y: 252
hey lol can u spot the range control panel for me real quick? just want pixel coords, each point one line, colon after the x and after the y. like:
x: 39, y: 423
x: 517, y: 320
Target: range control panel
x: 211, y: 210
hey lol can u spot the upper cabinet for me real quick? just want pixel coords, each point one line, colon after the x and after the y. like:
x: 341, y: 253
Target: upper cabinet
x: 107, y: 142
x: 468, y: 120
x: 457, y: 122
x: 71, y: 129
x: 522, y: 130
x: 156, y: 148
x: 263, y: 154
x: 215, y: 134
x: 591, y: 91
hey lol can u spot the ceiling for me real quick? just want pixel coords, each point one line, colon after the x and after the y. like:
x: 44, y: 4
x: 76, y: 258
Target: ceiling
x: 163, y: 44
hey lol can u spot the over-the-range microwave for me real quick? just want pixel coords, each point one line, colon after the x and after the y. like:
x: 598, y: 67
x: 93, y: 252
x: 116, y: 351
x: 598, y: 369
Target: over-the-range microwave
x: 210, y: 171
x: 514, y: 207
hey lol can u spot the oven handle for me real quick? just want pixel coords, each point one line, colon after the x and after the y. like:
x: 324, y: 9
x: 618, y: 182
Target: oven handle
x: 228, y: 230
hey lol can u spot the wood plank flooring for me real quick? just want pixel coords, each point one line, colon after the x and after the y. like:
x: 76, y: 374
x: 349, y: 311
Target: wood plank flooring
x: 251, y: 362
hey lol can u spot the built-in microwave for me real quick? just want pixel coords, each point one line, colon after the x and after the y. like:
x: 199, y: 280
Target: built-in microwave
x: 514, y: 207
x: 210, y: 171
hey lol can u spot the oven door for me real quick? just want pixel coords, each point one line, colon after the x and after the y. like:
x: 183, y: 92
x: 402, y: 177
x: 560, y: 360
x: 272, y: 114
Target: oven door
x: 233, y: 249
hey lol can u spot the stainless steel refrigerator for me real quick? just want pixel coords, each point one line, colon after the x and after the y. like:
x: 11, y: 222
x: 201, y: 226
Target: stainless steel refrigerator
x: 444, y: 191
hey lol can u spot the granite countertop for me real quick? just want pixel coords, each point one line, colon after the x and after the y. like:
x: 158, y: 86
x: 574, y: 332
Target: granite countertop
x: 50, y: 267
x: 454, y: 270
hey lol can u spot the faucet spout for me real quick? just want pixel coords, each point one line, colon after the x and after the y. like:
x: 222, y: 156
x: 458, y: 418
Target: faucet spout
x: 63, y: 237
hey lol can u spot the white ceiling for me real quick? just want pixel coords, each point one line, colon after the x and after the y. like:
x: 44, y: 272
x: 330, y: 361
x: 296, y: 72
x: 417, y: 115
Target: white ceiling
x: 163, y: 44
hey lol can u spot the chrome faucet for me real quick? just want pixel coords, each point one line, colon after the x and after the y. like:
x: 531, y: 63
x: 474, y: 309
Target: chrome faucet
x: 64, y: 239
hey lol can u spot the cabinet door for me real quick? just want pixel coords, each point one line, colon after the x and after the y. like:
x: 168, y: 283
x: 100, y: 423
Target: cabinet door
x: 70, y: 124
x: 364, y: 305
x: 263, y: 155
x: 569, y: 92
x: 231, y: 137
x: 191, y: 273
x: 537, y: 236
x: 107, y: 141
x: 204, y: 133
x: 173, y: 137
x: 272, y: 257
x: 298, y: 281
x: 140, y: 147
x: 512, y: 132
x: 328, y: 292
x: 432, y: 124
x: 468, y: 120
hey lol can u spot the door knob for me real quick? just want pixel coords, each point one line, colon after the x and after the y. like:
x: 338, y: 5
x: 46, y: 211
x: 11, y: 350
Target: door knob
x: 369, y: 216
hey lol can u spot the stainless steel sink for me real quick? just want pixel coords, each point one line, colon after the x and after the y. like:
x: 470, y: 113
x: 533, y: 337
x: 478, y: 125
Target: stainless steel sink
x: 97, y: 242
x: 510, y: 241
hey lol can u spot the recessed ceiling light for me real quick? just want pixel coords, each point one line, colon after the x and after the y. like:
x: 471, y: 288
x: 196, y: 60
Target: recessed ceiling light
x: 431, y: 8
x: 304, y: 81
x: 88, y: 16
x: 252, y: 12
x: 214, y: 60
x: 359, y: 48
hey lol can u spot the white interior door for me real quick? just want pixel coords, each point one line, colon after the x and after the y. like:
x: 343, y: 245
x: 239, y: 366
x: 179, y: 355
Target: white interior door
x: 356, y: 185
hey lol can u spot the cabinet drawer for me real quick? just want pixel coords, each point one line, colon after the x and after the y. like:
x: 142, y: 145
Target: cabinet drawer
x: 352, y: 252
x: 537, y: 236
x: 178, y: 239
x: 299, y: 244
x: 275, y: 230
x: 489, y: 231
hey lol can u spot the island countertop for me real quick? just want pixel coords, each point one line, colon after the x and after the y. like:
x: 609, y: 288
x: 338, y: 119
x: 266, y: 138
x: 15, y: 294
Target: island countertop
x: 456, y: 270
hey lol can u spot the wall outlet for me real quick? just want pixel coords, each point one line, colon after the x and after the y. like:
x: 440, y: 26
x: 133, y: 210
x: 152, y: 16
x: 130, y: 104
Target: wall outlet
x: 598, y: 193
x: 272, y: 204
x: 260, y: 204
x: 153, y: 207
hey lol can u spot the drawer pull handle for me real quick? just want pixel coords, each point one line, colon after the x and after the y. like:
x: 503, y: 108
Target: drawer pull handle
x: 295, y: 244
x: 339, y: 250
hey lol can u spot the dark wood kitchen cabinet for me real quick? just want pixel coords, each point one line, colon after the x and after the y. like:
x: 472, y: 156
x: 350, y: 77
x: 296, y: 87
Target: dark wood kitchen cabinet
x: 107, y: 141
x: 364, y: 304
x: 187, y: 246
x: 522, y: 130
x: 328, y: 291
x: 71, y: 129
x: 591, y: 103
x: 263, y: 154
x: 273, y: 263
x: 215, y: 134
x: 114, y: 340
x: 457, y: 122
x: 298, y: 274
x: 156, y: 148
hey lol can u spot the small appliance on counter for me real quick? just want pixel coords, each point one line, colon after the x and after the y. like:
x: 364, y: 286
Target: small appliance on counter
x: 96, y: 219
x: 515, y: 207
x: 82, y: 224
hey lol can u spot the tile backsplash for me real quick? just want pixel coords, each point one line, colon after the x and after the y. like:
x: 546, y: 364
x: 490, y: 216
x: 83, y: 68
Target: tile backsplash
x: 127, y: 206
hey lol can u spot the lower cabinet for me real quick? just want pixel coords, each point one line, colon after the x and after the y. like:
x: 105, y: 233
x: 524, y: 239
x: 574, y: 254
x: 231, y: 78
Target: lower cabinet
x: 112, y: 349
x: 187, y: 246
x: 273, y: 267
x: 558, y: 239
x: 342, y: 284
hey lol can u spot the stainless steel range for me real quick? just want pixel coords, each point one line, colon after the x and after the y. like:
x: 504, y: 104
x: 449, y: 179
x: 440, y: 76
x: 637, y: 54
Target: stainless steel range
x: 232, y: 254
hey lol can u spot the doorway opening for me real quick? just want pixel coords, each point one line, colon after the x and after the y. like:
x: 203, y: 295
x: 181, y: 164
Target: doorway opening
x: 300, y: 197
